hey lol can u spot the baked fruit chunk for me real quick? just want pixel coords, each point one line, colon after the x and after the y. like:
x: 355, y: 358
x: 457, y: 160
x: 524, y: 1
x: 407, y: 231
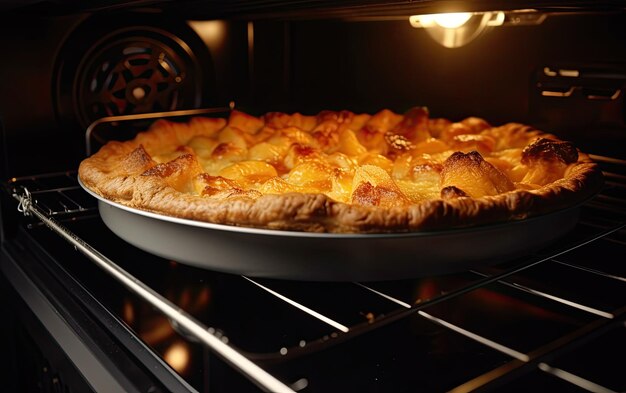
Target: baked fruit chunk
x: 342, y: 172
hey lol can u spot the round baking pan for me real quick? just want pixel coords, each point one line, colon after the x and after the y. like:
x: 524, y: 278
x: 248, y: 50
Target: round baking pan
x: 330, y: 256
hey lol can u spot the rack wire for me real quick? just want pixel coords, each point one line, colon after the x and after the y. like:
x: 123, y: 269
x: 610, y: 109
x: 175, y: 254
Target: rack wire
x: 54, y: 194
x: 52, y: 197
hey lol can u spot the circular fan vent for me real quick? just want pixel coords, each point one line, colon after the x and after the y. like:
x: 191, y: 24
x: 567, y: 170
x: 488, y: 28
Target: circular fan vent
x: 134, y: 68
x: 132, y: 77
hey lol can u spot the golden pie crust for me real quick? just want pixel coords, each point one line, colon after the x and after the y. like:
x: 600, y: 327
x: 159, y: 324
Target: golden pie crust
x: 343, y: 172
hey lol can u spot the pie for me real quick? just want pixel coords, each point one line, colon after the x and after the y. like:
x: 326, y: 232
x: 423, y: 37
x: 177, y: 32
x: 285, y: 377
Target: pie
x: 343, y: 172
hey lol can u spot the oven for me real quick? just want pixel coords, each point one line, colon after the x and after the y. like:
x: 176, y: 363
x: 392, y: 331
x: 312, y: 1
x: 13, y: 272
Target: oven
x: 86, y: 311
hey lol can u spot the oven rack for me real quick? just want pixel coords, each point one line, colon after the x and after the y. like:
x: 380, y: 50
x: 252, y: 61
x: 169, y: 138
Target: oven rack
x: 52, y: 198
x: 54, y: 194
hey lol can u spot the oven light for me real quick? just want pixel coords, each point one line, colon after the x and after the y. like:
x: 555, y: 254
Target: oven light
x: 448, y: 21
x: 457, y: 29
x: 455, y: 20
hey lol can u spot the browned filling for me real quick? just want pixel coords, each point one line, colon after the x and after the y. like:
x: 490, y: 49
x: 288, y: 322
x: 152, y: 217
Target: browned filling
x: 386, y: 159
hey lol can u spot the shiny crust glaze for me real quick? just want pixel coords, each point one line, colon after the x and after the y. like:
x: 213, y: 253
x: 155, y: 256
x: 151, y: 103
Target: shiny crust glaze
x: 126, y: 173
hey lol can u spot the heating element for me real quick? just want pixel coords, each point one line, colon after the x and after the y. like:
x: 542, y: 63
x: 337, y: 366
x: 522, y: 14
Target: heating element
x: 553, y: 319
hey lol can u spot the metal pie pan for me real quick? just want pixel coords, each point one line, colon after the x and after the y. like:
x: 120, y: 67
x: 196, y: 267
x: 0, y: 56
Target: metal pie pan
x: 330, y: 256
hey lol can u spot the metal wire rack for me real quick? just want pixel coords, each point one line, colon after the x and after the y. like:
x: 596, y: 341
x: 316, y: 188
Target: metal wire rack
x: 568, y: 275
x: 54, y: 194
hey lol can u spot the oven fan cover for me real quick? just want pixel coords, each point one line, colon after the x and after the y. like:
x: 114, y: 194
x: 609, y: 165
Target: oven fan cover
x: 142, y: 65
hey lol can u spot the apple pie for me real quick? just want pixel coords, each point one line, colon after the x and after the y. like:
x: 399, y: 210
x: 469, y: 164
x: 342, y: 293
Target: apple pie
x: 343, y: 172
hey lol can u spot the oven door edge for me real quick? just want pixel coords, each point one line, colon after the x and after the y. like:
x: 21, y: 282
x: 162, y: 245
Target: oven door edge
x: 107, y: 355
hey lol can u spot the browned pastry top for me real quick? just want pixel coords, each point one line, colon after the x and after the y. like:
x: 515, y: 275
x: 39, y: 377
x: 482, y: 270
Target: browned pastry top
x: 342, y: 172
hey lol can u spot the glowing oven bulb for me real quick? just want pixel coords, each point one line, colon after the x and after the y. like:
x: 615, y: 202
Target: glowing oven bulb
x: 456, y: 29
x: 452, y: 20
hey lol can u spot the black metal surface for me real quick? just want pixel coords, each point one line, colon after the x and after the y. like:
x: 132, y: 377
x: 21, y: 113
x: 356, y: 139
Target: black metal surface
x: 40, y: 364
x: 306, y: 9
x: 80, y: 330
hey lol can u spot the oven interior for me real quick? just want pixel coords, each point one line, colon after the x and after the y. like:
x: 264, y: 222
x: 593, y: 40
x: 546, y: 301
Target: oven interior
x: 549, y: 320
